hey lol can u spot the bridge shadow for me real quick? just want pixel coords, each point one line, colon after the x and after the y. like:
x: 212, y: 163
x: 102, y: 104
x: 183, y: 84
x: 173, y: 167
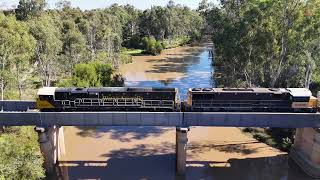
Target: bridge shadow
x: 162, y: 166
x: 122, y: 133
x: 237, y: 147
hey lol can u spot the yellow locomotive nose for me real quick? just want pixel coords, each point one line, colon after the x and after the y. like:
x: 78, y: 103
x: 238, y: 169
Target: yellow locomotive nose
x: 43, y: 104
x: 313, y: 102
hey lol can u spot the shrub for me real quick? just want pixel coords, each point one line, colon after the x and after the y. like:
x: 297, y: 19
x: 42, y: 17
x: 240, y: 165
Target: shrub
x: 125, y: 58
x: 158, y: 48
x: 20, y: 156
x: 85, y: 75
x: 94, y: 74
x: 151, y: 45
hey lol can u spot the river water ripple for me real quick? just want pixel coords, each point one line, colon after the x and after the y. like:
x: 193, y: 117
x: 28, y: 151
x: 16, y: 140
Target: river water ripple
x: 147, y: 153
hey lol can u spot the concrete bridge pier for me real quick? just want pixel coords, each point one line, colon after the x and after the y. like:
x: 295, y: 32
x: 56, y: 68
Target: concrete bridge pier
x: 181, y: 149
x: 52, y: 146
x: 306, y: 150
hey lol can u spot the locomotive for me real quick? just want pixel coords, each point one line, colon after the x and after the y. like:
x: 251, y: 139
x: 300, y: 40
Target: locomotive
x: 167, y: 99
x: 107, y: 99
x: 251, y: 99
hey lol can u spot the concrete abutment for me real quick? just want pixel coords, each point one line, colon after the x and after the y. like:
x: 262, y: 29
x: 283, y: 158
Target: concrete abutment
x: 181, y: 150
x: 306, y: 150
x: 52, y: 146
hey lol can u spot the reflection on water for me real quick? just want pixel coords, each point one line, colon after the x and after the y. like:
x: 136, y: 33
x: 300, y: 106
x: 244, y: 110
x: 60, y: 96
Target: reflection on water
x: 182, y: 69
x: 148, y: 153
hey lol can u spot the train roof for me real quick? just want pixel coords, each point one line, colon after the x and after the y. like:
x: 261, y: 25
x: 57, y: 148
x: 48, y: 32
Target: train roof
x: 116, y: 89
x: 242, y: 90
x: 46, y: 91
x: 295, y: 92
x: 299, y: 92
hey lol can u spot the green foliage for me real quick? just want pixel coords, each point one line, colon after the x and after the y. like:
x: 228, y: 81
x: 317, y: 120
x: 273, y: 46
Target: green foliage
x: 20, y: 156
x: 29, y: 8
x: 49, y: 45
x: 275, y: 137
x: 132, y: 52
x: 93, y: 74
x: 170, y: 21
x: 64, y: 83
x: 103, y: 72
x: 85, y: 75
x: 16, y: 49
x: 151, y: 45
x: 177, y: 41
x: 195, y: 36
x: 70, y: 47
x: 74, y: 45
x: 158, y: 47
x: 126, y: 58
x: 267, y: 43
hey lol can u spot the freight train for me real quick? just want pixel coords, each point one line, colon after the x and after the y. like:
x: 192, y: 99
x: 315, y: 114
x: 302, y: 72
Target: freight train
x: 167, y: 99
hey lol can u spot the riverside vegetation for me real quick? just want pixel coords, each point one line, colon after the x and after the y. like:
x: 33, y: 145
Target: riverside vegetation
x: 264, y: 43
x: 257, y: 42
x: 66, y: 46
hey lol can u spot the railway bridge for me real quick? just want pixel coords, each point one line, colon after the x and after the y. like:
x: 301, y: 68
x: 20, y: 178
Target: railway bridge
x: 49, y: 125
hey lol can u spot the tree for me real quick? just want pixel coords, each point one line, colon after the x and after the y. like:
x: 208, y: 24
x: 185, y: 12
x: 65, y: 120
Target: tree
x: 29, y: 8
x: 104, y: 72
x: 63, y: 4
x: 74, y: 45
x: 20, y: 156
x: 269, y: 43
x: 16, y: 50
x: 85, y: 75
x: 94, y: 74
x: 203, y: 6
x: 48, y: 48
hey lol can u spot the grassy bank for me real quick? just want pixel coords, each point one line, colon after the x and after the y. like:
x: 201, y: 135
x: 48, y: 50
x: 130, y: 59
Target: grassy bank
x: 276, y: 137
x: 133, y: 52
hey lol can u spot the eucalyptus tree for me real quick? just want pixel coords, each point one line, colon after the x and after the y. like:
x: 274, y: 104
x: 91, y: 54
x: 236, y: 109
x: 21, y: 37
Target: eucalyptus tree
x: 48, y: 48
x: 16, y: 50
x: 310, y: 25
x: 29, y: 8
x: 270, y: 43
x: 74, y: 48
x: 63, y: 4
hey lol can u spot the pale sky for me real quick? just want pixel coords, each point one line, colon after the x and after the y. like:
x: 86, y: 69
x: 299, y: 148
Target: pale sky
x: 93, y: 4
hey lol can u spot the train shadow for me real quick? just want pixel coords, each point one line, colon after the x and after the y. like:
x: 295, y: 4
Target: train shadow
x: 159, y: 167
x: 122, y: 133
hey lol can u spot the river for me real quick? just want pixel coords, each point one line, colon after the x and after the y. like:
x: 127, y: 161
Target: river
x: 147, y: 153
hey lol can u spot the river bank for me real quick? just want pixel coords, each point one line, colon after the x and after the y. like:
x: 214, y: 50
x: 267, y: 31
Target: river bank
x: 148, y: 152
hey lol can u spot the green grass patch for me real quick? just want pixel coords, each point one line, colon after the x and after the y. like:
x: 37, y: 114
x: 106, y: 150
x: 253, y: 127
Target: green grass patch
x: 278, y: 138
x: 133, y: 52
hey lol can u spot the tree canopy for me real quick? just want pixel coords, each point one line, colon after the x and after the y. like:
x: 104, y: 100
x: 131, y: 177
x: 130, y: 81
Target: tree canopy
x: 267, y: 43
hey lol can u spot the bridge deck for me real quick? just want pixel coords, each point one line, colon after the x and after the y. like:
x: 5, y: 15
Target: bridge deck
x: 231, y: 119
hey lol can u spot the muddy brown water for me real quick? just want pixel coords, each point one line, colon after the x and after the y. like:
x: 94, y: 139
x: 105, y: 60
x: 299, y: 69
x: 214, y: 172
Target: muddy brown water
x: 147, y: 153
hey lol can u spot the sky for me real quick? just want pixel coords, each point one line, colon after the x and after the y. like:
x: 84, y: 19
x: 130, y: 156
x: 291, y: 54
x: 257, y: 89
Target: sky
x: 93, y: 4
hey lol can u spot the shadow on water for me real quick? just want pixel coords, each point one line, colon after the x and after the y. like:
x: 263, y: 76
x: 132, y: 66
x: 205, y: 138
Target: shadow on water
x: 241, y: 148
x: 122, y: 133
x: 196, y: 66
x: 176, y: 64
x: 162, y: 167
